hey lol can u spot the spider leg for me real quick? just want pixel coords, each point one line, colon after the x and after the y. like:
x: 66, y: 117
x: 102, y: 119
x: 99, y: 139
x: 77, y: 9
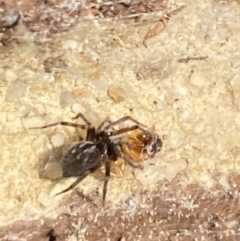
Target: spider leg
x: 126, y: 129
x: 91, y: 132
x: 76, y: 182
x: 63, y: 123
x: 107, y: 174
x: 101, y: 126
x: 80, y: 115
x: 131, y: 163
x: 125, y: 118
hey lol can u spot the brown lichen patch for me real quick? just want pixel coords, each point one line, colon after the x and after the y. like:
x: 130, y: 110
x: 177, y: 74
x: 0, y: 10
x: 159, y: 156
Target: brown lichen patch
x: 170, y: 212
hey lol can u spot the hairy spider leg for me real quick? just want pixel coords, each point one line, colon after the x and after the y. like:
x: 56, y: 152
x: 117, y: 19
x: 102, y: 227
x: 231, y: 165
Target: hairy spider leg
x: 129, y: 161
x: 63, y: 123
x: 91, y: 131
x: 127, y: 129
x: 107, y: 176
x: 125, y: 118
x: 80, y: 115
x: 80, y: 178
x: 101, y: 127
x: 75, y: 183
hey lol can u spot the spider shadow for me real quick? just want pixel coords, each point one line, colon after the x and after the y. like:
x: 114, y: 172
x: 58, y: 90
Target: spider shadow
x: 50, y: 162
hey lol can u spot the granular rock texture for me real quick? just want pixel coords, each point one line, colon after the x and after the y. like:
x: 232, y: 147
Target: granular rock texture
x: 170, y: 212
x: 59, y: 58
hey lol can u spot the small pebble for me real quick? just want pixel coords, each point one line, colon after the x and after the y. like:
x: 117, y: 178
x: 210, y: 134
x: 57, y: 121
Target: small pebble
x: 65, y: 98
x: 15, y: 91
x: 57, y: 139
x: 11, y: 116
x: 39, y: 141
x: 36, y: 87
x: 10, y: 75
x: 77, y: 108
x: 70, y: 45
x: 81, y: 92
x: 44, y: 199
x: 9, y: 19
x: 116, y: 94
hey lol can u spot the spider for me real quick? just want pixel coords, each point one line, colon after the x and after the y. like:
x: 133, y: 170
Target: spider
x: 96, y: 150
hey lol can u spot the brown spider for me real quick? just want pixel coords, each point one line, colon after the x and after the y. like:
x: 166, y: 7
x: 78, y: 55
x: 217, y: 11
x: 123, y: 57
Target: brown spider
x: 99, y: 148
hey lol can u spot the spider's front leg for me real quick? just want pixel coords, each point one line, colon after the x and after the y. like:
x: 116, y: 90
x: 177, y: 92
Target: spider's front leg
x: 101, y: 127
x: 80, y: 115
x: 123, y: 119
x: 123, y: 130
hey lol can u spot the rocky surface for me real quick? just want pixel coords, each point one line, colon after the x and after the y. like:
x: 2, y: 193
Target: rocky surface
x: 60, y: 58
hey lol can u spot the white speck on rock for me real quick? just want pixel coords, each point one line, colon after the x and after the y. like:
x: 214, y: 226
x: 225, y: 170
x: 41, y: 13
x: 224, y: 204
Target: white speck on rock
x: 48, y: 77
x: 182, y: 90
x: 57, y: 139
x: 10, y: 75
x: 71, y: 45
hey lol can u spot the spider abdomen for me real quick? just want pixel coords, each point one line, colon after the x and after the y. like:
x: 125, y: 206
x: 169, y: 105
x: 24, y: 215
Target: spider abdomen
x: 83, y: 156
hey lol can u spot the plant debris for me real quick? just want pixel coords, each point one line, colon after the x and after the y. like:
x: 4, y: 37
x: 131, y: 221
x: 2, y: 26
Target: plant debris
x: 160, y: 25
x: 186, y: 60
